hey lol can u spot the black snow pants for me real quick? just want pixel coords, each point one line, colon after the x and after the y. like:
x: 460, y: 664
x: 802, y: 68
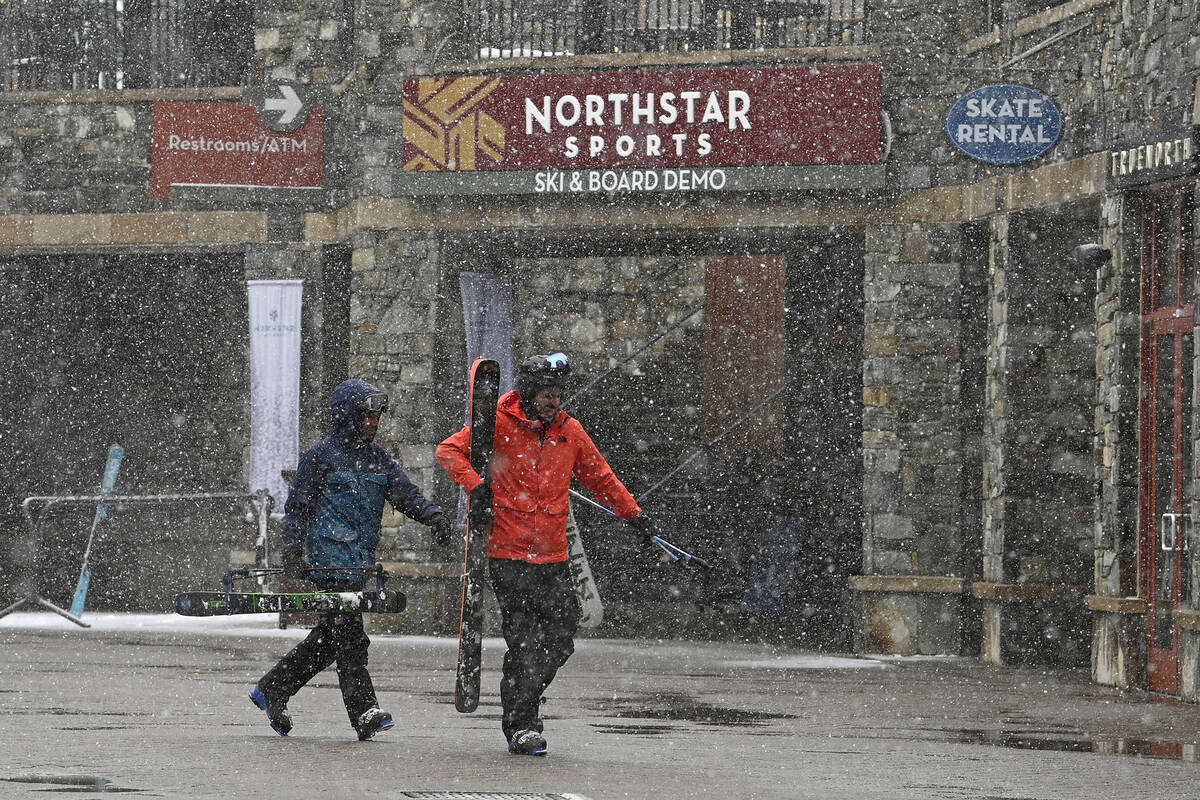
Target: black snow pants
x: 539, y: 614
x: 337, y: 639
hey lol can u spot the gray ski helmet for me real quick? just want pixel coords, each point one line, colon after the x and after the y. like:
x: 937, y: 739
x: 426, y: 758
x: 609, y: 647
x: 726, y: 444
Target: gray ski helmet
x: 537, y: 372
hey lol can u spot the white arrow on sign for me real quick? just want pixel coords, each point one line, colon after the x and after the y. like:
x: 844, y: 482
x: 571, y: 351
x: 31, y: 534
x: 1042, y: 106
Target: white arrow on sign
x: 289, y: 104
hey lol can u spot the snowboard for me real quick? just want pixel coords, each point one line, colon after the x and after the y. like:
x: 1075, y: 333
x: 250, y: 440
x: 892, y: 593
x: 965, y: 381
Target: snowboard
x: 213, y: 604
x: 485, y: 391
x: 581, y: 573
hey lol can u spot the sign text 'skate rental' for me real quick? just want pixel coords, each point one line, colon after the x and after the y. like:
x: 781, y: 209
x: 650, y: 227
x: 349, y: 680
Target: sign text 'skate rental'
x: 1004, y: 124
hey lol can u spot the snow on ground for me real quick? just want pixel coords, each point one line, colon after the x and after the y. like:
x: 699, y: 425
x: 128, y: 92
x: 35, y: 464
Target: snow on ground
x: 266, y: 625
x: 808, y: 661
x: 733, y: 655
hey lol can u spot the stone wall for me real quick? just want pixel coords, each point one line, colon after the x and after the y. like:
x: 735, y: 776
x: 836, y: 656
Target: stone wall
x: 69, y: 157
x: 911, y: 382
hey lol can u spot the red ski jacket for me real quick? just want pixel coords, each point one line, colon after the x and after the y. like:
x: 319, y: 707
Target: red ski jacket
x: 531, y: 473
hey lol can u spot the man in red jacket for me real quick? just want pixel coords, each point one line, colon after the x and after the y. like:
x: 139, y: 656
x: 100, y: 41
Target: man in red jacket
x: 539, y: 447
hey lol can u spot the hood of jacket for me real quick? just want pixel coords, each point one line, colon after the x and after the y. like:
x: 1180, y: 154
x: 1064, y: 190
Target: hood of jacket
x: 345, y: 397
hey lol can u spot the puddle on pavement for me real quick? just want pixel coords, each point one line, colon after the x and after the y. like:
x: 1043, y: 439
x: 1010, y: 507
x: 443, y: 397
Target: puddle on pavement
x: 678, y: 708
x: 634, y: 730
x: 68, y: 783
x: 73, y: 712
x: 1078, y: 742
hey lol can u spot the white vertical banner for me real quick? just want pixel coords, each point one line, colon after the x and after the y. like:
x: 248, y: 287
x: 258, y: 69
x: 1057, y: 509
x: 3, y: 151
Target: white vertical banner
x: 274, y: 384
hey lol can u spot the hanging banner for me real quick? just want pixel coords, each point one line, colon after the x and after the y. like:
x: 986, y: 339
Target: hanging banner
x: 274, y: 384
x: 487, y: 320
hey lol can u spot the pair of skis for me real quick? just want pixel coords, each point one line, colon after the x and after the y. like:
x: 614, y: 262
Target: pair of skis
x: 485, y: 392
x: 112, y: 468
x: 212, y: 604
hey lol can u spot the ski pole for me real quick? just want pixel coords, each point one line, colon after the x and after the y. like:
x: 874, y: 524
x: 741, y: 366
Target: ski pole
x: 675, y: 553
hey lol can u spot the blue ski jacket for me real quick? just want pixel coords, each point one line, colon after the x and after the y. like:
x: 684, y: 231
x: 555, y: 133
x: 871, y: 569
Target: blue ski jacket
x: 335, y: 504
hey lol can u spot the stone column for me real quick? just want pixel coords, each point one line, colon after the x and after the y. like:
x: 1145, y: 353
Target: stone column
x: 1118, y: 618
x: 909, y: 595
x: 393, y: 331
x: 995, y: 433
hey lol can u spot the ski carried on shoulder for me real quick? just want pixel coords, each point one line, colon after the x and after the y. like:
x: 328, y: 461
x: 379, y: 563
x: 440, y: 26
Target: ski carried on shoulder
x: 213, y: 604
x: 485, y: 391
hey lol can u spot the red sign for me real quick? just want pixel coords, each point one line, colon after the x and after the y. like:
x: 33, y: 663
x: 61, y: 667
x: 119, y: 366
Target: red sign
x: 746, y: 116
x: 225, y: 144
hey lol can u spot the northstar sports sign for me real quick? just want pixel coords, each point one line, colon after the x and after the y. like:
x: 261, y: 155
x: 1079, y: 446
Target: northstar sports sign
x: 683, y: 130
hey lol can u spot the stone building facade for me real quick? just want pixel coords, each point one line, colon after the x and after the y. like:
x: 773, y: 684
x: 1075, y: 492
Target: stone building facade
x: 892, y: 399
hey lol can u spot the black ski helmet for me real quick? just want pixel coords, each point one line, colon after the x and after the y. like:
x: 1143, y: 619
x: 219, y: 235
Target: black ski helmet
x: 537, y: 372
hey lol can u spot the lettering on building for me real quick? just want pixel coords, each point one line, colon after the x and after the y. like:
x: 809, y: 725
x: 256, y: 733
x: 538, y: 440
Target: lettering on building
x: 1170, y: 156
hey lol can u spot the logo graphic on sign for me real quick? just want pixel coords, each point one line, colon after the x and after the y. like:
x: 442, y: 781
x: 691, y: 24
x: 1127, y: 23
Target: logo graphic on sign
x: 444, y: 128
x: 1004, y: 123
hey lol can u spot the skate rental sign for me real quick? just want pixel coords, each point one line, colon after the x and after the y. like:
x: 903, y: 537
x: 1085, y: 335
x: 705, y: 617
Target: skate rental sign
x: 674, y: 130
x: 1004, y: 123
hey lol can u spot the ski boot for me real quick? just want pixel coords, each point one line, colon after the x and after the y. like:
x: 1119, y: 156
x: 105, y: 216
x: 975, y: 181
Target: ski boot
x: 371, y: 722
x: 527, y: 742
x: 277, y: 713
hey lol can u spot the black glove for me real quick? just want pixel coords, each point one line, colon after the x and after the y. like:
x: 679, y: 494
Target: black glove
x: 293, y: 565
x: 644, y: 525
x: 481, y: 496
x: 440, y: 527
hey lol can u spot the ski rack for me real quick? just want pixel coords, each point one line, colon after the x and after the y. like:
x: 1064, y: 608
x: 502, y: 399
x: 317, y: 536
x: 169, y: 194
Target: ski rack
x: 381, y: 576
x: 260, y: 501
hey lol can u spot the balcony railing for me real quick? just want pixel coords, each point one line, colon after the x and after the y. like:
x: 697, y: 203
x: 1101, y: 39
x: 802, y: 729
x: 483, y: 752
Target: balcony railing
x: 515, y: 28
x: 124, y: 44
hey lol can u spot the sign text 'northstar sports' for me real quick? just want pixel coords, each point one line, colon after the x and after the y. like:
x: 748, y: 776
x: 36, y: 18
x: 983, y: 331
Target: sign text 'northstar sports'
x: 659, y: 130
x: 614, y: 110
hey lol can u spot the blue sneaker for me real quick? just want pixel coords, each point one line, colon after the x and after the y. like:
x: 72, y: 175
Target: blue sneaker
x: 371, y: 722
x: 527, y: 743
x: 277, y: 713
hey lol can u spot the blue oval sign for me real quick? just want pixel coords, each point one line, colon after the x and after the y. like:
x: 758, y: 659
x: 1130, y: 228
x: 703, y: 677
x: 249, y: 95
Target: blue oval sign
x: 1004, y: 123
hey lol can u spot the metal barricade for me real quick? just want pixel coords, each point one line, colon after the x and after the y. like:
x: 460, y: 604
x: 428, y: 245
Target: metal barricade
x: 35, y: 507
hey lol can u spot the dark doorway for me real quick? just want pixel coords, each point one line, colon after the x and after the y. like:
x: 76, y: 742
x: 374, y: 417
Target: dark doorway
x: 143, y: 350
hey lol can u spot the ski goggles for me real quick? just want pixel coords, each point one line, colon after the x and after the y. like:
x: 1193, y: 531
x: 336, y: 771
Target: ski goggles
x: 373, y: 404
x: 554, y: 364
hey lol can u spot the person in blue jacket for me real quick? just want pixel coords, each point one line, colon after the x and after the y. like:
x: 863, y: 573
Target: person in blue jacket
x: 330, y: 532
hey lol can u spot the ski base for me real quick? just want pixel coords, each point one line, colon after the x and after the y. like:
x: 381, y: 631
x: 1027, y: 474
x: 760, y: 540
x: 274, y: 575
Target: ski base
x: 485, y: 391
x: 213, y: 604
x: 591, y: 607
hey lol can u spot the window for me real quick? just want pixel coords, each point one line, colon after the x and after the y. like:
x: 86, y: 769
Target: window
x: 124, y: 44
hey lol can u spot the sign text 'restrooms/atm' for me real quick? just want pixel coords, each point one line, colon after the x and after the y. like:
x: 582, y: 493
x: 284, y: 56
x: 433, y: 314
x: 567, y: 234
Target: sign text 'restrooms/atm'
x: 212, y: 144
x: 661, y: 130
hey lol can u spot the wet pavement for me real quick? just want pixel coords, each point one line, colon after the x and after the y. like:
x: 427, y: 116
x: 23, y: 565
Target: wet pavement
x: 155, y: 706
